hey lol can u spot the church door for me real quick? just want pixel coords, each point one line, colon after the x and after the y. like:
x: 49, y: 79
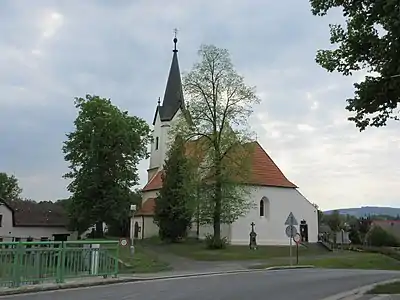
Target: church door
x: 304, y: 231
x: 137, y: 229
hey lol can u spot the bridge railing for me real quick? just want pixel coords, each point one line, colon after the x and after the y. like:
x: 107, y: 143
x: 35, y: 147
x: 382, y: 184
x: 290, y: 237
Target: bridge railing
x: 27, y: 263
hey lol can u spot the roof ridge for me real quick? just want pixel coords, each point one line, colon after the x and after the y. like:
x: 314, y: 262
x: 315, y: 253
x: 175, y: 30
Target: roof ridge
x: 273, y: 162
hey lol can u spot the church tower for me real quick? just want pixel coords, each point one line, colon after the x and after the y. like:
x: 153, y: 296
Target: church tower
x: 172, y: 105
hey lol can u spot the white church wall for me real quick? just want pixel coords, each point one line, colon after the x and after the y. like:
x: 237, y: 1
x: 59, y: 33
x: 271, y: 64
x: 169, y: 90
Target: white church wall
x: 155, y: 154
x: 161, y: 131
x: 270, y: 228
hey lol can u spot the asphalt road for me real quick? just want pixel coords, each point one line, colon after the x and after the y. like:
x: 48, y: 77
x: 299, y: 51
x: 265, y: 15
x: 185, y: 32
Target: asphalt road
x: 310, y: 284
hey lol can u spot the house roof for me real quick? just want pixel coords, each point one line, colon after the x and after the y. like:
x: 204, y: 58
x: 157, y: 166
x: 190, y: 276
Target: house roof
x: 263, y: 171
x: 391, y: 226
x: 36, y: 214
x: 147, y: 208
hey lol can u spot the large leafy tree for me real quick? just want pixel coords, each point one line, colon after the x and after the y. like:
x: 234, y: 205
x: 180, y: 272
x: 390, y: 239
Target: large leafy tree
x: 175, y: 202
x: 9, y: 187
x: 103, y: 152
x: 220, y: 104
x: 370, y: 40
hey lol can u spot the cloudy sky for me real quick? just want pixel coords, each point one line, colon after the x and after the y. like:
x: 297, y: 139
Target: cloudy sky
x: 52, y: 51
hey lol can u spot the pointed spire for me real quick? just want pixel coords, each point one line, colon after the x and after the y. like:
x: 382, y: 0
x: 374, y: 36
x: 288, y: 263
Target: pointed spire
x: 173, y: 96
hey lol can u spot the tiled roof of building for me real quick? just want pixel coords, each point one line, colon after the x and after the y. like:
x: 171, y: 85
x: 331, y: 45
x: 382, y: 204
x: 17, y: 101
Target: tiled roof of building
x: 147, y: 208
x: 263, y: 172
x: 42, y: 214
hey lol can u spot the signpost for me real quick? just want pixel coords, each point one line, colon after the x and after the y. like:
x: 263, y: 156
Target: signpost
x: 291, y: 231
x: 297, y: 240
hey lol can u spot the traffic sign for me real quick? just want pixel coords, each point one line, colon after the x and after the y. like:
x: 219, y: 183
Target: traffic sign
x: 123, y: 242
x: 291, y: 231
x: 291, y: 220
x: 297, y: 238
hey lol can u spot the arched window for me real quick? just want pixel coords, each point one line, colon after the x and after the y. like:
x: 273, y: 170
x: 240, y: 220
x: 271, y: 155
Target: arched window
x: 156, y: 143
x: 262, y: 208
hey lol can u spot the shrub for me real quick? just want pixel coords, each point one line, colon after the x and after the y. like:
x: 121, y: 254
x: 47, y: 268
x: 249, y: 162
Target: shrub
x: 213, y: 243
x: 379, y: 237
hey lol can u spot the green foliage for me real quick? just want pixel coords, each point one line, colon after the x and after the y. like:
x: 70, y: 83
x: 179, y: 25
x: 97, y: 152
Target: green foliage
x: 174, y: 204
x: 103, y: 152
x: 334, y: 221
x: 220, y: 104
x: 215, y: 243
x: 9, y: 187
x: 369, y: 41
x: 121, y: 226
x: 379, y: 237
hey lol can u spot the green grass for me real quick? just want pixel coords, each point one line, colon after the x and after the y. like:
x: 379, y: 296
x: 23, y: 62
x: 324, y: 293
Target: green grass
x: 140, y: 262
x: 197, y: 251
x: 390, y: 288
x: 344, y: 260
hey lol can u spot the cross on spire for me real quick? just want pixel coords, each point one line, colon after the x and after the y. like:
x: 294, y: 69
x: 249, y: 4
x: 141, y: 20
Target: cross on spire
x: 175, y: 39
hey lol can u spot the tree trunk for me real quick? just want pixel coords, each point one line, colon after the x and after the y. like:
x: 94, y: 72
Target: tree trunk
x: 217, y: 208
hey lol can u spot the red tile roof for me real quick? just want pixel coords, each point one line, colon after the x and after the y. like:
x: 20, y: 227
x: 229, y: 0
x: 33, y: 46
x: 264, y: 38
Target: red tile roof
x: 154, y: 183
x: 147, y: 208
x: 264, y: 172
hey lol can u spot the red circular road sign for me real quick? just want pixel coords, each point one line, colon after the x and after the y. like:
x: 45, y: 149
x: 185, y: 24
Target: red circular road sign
x: 123, y: 242
x: 297, y: 238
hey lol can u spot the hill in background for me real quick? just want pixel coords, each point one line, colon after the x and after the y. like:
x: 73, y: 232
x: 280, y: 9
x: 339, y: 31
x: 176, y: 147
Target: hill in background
x: 368, y: 210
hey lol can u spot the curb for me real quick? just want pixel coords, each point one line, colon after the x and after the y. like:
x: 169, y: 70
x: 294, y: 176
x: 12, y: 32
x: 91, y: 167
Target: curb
x: 359, y: 292
x: 75, y: 285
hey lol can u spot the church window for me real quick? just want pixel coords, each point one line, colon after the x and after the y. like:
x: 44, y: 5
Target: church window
x: 264, y: 207
x: 156, y: 143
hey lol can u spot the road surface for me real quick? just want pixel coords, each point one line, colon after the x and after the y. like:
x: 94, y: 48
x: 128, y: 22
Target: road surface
x: 310, y: 284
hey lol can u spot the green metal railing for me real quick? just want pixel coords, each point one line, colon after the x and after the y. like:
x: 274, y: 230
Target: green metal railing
x: 26, y: 263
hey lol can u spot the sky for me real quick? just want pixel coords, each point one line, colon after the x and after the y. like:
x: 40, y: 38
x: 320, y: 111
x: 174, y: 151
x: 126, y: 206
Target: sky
x: 53, y: 51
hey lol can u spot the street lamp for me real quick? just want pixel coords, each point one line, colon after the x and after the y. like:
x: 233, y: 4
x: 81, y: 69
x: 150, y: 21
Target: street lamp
x: 132, y: 209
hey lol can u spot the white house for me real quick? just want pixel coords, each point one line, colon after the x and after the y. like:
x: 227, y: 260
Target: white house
x: 29, y: 221
x: 274, y: 195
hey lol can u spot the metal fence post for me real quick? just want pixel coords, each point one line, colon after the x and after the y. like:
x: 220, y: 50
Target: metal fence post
x: 17, y: 265
x: 60, y: 263
x: 116, y: 261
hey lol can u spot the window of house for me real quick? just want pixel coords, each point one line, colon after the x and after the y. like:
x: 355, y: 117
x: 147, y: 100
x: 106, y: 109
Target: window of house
x: 156, y: 143
x: 1, y: 220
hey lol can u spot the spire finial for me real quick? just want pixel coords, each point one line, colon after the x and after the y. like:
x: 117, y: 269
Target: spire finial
x: 159, y: 101
x: 175, y: 39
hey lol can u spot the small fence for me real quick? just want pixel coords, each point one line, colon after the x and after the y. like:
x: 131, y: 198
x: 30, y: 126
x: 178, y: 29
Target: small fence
x: 27, y: 263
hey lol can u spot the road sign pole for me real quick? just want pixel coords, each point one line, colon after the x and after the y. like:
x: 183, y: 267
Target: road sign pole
x: 297, y: 253
x: 290, y: 247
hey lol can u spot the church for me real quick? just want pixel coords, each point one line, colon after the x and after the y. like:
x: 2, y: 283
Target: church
x: 274, y: 196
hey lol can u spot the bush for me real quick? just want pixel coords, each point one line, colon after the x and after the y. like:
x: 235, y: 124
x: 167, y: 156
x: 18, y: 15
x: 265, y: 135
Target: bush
x: 213, y: 243
x: 379, y: 237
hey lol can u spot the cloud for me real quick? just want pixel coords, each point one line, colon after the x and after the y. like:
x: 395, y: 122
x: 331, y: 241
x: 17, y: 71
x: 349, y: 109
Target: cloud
x: 52, y: 53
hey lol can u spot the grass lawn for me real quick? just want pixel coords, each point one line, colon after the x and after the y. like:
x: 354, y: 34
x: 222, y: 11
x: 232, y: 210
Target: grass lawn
x: 196, y: 250
x: 345, y: 260
x: 140, y: 262
x: 390, y: 288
